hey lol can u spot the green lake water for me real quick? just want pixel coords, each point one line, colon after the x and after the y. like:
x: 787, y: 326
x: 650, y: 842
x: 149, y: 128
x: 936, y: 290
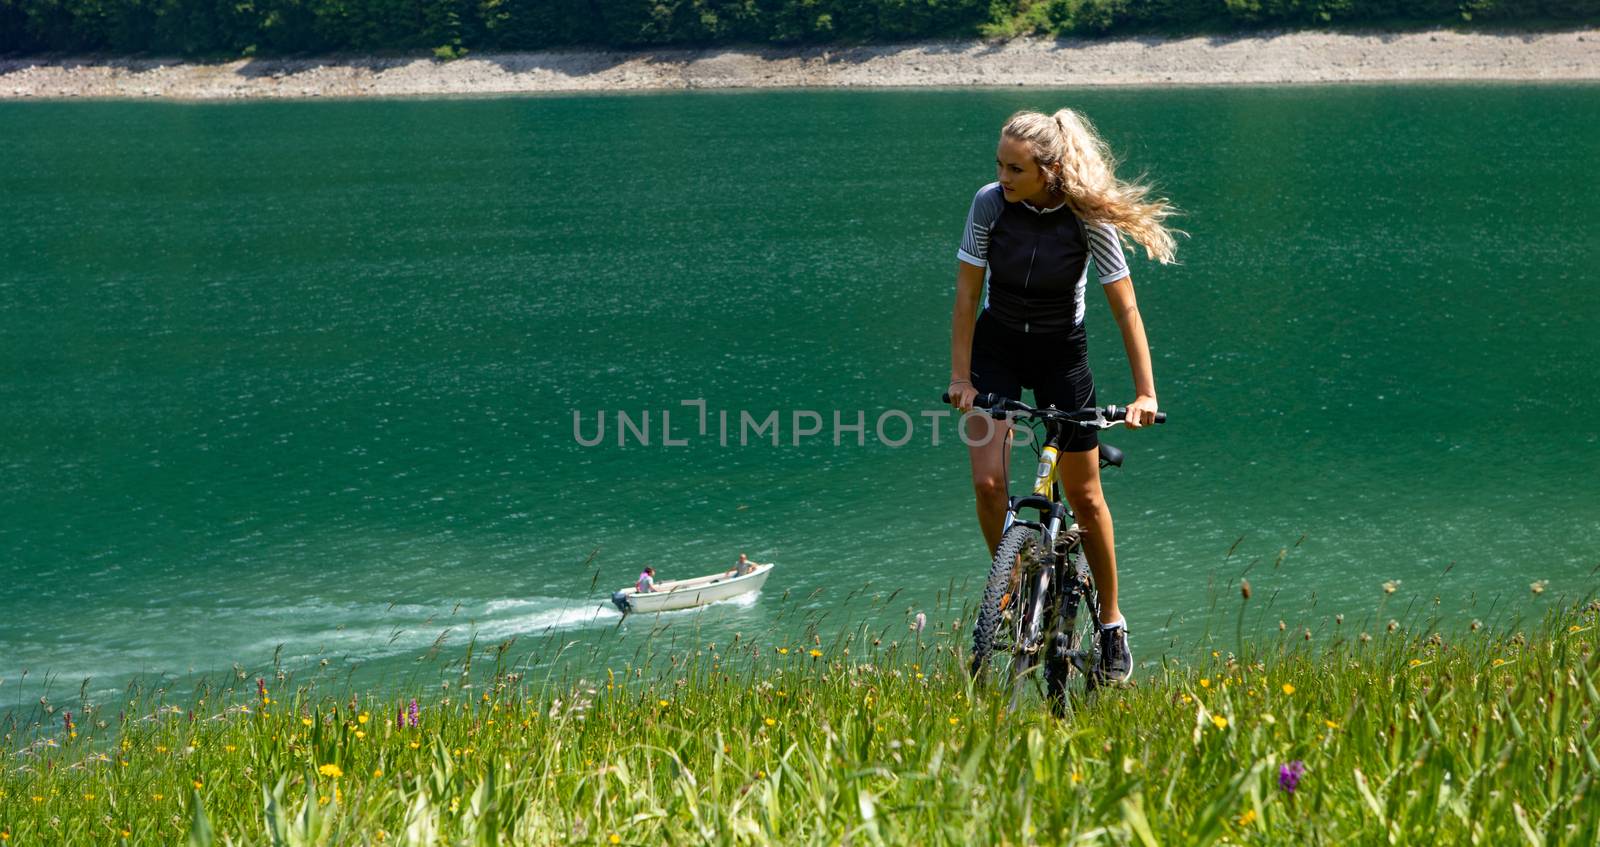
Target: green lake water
x: 304, y: 374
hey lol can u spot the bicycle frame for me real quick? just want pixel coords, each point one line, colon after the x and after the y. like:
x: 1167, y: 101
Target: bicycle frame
x: 1046, y: 497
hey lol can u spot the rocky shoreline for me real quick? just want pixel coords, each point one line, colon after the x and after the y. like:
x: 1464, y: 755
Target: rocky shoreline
x: 1262, y: 58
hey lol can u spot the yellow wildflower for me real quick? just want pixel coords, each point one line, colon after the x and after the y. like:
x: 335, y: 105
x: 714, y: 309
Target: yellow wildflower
x: 229, y: 747
x: 615, y: 838
x: 815, y: 653
x: 332, y: 770
x: 771, y: 722
x: 1414, y: 662
x: 198, y: 785
x: 363, y: 717
x: 1220, y: 721
x: 1249, y: 817
x: 1498, y: 662
x: 306, y: 721
x: 1076, y: 777
x: 415, y: 745
x: 377, y: 774
x: 361, y: 733
x: 1330, y: 724
x: 954, y: 721
x: 1205, y: 683
x: 1288, y: 688
x: 783, y: 651
x: 662, y: 703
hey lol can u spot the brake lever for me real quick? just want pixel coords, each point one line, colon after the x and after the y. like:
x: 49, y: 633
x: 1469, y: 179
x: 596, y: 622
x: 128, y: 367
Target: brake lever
x: 1100, y: 421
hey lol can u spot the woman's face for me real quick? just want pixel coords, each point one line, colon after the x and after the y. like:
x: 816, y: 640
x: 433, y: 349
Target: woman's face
x: 1018, y: 174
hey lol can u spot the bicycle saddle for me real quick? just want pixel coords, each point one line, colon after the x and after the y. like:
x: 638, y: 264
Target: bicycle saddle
x: 1110, y: 455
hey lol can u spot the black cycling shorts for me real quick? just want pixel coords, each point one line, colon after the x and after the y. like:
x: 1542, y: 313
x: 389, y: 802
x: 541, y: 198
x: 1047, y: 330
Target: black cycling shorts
x: 1054, y: 365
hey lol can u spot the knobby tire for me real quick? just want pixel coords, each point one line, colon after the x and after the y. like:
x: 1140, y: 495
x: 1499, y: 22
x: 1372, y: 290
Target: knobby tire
x: 1001, y: 594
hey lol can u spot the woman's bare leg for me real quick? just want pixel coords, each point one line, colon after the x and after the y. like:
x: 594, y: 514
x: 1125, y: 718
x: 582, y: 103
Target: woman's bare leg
x: 989, y: 451
x: 1080, y: 482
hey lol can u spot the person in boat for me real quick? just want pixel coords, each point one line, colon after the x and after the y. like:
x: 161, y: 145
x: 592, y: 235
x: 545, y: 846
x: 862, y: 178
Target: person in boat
x: 741, y: 567
x: 1055, y: 211
x: 647, y: 581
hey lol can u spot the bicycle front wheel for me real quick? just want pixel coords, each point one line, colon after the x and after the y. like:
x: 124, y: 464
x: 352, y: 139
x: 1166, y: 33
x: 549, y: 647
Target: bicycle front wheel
x: 997, y: 637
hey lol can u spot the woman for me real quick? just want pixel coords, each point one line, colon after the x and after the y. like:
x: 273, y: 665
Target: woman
x: 1056, y: 210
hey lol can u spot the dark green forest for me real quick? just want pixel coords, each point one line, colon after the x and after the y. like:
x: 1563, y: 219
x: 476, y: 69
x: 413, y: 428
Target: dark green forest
x: 450, y: 28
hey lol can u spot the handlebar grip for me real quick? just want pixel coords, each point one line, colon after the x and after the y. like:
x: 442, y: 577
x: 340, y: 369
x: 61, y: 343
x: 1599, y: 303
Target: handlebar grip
x: 1120, y: 413
x: 982, y: 401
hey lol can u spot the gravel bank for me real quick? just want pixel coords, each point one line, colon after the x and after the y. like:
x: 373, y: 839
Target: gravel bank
x: 1297, y: 57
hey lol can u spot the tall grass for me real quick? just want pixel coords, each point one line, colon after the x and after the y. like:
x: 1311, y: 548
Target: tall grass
x: 1400, y: 735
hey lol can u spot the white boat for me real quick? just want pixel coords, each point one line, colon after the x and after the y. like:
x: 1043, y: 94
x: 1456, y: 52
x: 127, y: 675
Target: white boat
x: 689, y: 593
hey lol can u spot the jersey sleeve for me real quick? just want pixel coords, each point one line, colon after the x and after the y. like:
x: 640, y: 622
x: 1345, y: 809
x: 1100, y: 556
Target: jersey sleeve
x: 986, y: 207
x: 1105, y: 247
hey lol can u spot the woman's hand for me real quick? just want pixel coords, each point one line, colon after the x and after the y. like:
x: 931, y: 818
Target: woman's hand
x: 1141, y: 412
x: 962, y: 394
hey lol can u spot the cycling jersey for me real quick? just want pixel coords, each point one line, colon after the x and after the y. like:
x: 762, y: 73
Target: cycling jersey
x: 1037, y: 260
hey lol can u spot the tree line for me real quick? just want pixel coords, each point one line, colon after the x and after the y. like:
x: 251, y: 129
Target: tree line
x: 449, y: 28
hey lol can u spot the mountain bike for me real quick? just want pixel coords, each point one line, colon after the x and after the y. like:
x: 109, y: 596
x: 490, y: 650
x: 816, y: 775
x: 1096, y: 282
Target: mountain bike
x: 1039, y: 601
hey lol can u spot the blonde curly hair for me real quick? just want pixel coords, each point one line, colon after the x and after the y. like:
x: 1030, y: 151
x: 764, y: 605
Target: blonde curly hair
x: 1079, y: 169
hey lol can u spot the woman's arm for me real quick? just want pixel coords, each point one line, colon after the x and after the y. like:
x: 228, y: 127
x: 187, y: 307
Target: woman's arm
x: 969, y: 288
x: 1125, y: 308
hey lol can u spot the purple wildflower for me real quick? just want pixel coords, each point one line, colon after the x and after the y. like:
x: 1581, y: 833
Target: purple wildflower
x: 411, y: 714
x: 1289, y: 776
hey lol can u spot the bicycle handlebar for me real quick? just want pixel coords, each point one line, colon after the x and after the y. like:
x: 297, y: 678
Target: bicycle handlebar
x: 997, y: 404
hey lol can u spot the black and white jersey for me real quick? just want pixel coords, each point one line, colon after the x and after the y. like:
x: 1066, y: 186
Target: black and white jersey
x: 1037, y: 260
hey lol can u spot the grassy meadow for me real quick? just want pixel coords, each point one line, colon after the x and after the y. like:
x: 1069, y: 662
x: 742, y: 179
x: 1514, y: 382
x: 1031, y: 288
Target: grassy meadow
x: 1365, y: 733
